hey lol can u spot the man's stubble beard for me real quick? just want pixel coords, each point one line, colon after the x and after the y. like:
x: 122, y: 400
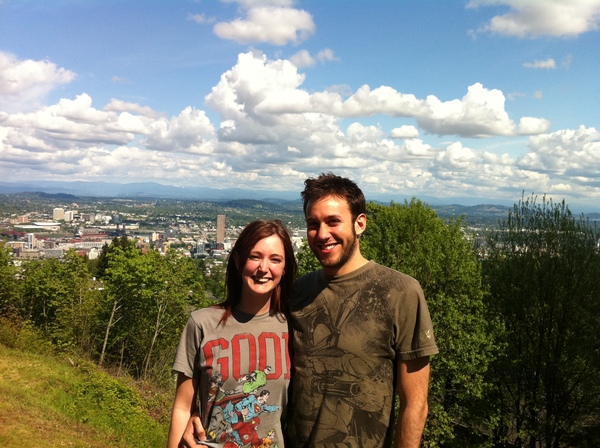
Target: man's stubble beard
x: 346, y: 255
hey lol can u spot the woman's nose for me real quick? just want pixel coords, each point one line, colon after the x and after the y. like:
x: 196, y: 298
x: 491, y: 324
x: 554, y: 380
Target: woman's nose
x: 263, y: 266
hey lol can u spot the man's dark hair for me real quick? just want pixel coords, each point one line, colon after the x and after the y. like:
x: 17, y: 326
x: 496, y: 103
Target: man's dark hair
x: 330, y: 184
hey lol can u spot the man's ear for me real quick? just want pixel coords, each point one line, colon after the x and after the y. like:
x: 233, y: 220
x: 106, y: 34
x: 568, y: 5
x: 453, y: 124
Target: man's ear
x: 360, y: 224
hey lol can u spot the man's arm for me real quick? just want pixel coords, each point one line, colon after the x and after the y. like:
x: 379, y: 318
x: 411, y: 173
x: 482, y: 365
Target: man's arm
x: 413, y: 386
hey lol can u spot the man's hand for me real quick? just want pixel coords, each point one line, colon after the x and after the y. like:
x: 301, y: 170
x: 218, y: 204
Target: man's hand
x: 194, y: 433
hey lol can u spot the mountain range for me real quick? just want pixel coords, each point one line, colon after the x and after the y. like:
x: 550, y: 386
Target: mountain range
x: 443, y: 206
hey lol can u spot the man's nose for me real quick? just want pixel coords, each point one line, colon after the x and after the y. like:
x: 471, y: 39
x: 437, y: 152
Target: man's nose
x: 323, y: 232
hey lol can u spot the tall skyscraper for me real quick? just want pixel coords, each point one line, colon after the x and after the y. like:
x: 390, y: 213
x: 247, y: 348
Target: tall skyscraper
x: 220, y: 229
x: 58, y: 214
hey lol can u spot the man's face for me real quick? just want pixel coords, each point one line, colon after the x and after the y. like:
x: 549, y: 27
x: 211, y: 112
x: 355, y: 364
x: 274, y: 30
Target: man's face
x: 332, y: 233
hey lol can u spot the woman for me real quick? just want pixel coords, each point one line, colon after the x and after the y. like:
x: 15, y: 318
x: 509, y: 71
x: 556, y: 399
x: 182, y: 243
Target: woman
x: 232, y: 361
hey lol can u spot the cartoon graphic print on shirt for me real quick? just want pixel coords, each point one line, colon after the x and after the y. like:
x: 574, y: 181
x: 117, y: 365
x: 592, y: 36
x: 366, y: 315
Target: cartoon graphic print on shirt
x: 243, y: 369
x: 236, y: 411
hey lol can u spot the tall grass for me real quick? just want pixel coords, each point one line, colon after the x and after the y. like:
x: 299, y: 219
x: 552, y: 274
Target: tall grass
x: 53, y: 402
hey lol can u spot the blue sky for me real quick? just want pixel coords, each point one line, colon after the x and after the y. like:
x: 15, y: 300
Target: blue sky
x: 479, y: 99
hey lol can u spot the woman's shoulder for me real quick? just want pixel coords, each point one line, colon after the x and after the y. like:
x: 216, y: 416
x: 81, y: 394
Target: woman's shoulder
x: 210, y: 312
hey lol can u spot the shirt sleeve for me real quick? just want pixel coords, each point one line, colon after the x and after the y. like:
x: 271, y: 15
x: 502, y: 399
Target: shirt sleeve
x: 187, y: 351
x: 414, y: 336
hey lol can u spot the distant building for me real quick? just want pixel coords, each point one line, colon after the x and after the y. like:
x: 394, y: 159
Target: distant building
x: 30, y: 241
x: 29, y: 254
x: 69, y: 216
x: 53, y: 253
x: 58, y: 214
x: 220, y: 229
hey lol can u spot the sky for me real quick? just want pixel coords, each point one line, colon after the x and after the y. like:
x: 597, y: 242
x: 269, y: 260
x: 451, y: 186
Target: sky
x: 481, y: 100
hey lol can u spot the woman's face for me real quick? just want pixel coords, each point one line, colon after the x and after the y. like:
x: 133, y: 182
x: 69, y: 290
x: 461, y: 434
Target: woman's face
x: 263, y: 268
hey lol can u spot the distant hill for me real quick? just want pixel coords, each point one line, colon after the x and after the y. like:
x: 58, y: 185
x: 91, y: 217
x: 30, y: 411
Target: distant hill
x: 469, y: 206
x: 142, y: 190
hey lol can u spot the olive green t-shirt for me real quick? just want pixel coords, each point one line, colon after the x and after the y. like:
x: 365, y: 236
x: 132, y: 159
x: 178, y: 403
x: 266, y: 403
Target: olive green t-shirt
x: 350, y: 331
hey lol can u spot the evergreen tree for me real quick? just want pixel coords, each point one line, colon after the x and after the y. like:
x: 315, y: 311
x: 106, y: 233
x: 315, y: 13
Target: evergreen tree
x: 543, y: 267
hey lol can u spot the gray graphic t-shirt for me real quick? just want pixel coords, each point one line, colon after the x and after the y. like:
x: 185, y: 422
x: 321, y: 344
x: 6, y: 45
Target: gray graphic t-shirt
x: 350, y: 332
x: 243, y: 371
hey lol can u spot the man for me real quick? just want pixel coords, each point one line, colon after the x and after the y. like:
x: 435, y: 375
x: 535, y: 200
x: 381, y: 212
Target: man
x: 361, y: 333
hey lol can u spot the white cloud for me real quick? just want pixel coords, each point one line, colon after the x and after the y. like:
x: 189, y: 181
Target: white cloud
x: 326, y: 55
x: 480, y: 113
x: 546, y: 64
x: 566, y: 62
x: 201, y: 18
x: 536, y: 18
x: 191, y: 131
x: 304, y: 59
x: 277, y: 25
x: 533, y: 126
x: 273, y: 133
x: 262, y: 100
x: 119, y: 80
x: 124, y: 106
x: 568, y: 152
x: 24, y: 84
x: 405, y: 132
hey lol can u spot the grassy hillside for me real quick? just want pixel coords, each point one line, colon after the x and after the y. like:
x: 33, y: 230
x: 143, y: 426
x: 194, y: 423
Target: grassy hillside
x: 52, y: 402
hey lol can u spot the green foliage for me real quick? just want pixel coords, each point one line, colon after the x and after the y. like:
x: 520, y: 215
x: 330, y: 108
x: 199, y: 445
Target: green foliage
x: 52, y: 401
x: 149, y: 300
x: 8, y: 281
x: 214, y: 279
x: 412, y: 239
x: 112, y: 406
x: 131, y: 317
x: 543, y: 267
x: 23, y: 335
x: 59, y: 298
x: 307, y: 262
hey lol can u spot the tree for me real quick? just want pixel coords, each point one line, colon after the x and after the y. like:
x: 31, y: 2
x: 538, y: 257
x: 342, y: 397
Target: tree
x: 214, y: 279
x: 8, y: 281
x: 543, y: 267
x: 307, y: 261
x: 59, y: 298
x: 152, y: 296
x: 76, y: 321
x: 412, y: 239
x: 45, y: 288
x: 118, y: 249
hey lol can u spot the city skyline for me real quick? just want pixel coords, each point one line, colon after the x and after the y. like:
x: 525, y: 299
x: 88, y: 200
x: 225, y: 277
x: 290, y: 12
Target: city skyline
x: 461, y: 99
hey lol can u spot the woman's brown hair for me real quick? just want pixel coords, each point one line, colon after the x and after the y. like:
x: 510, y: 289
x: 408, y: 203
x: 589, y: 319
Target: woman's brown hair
x: 252, y: 234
